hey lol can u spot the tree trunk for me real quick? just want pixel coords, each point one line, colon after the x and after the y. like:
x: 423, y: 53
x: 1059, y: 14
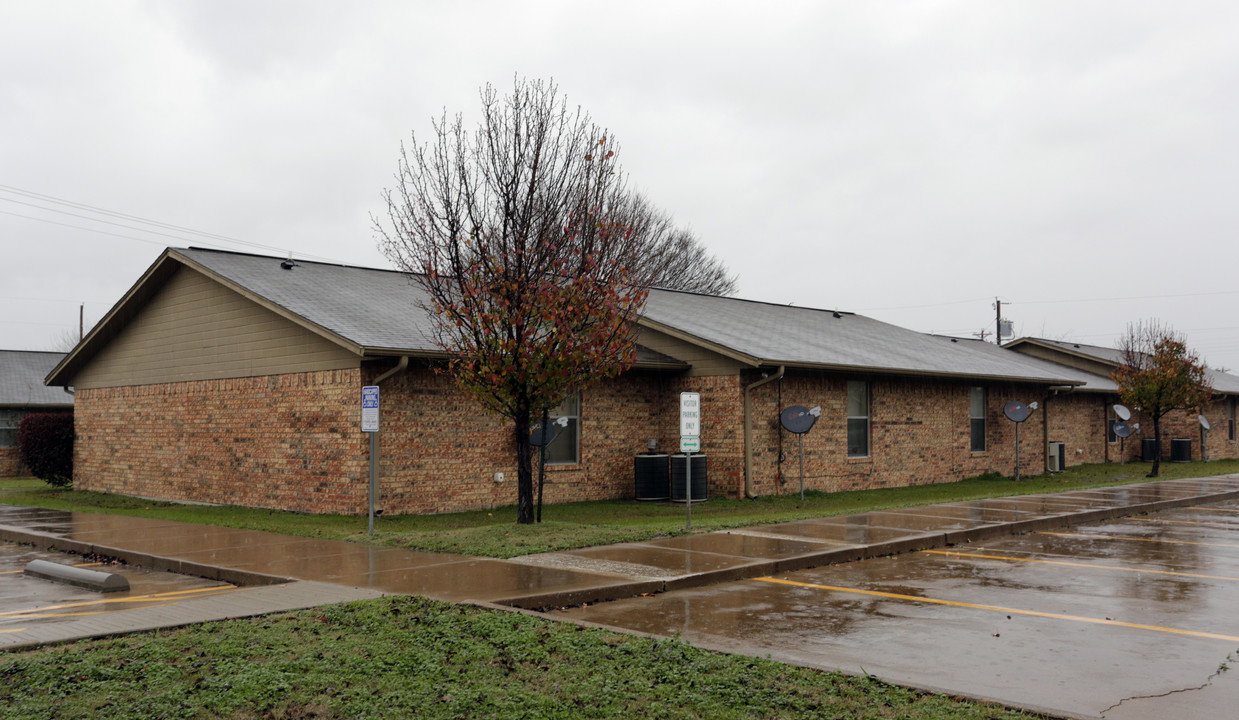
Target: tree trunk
x: 524, y: 470
x: 1157, y: 444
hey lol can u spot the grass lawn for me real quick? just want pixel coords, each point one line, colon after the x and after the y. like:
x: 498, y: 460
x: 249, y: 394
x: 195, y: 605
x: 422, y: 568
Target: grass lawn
x: 494, y: 532
x: 407, y: 657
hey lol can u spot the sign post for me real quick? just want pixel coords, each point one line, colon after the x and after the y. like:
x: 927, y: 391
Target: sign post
x: 690, y: 442
x: 370, y: 424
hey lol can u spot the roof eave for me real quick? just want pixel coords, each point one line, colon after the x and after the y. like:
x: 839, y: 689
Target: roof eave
x: 1061, y: 349
x: 743, y: 358
x: 870, y: 370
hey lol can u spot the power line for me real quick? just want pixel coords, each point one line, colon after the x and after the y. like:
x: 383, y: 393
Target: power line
x: 132, y: 218
x: 1132, y: 297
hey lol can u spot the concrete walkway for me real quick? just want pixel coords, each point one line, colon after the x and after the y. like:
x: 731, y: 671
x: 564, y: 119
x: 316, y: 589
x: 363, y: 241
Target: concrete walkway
x: 279, y: 572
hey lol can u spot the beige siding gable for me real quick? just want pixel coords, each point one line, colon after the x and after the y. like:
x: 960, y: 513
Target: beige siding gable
x: 194, y: 328
x: 703, y: 362
x: 1063, y: 358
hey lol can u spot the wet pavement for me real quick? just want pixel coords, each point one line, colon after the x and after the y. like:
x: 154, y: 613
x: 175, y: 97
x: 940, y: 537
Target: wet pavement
x: 28, y: 600
x: 1123, y: 619
x: 818, y: 592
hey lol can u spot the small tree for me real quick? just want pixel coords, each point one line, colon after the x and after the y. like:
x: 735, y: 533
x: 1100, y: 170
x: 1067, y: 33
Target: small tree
x: 45, y: 442
x: 1160, y: 374
x: 530, y: 248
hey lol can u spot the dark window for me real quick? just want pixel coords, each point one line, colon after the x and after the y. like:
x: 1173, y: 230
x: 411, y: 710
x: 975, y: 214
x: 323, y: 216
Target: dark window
x: 977, y: 417
x: 1111, y: 418
x: 1230, y: 421
x: 858, y: 418
x: 9, y: 420
x: 565, y: 449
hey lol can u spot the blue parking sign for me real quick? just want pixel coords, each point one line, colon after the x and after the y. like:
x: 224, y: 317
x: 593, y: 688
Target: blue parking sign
x: 370, y: 408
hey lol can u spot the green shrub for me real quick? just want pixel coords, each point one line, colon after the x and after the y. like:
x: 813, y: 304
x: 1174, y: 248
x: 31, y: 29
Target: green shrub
x: 45, y: 441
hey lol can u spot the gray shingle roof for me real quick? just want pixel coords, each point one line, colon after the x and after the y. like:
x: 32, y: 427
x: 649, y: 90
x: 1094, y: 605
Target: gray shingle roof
x: 373, y: 309
x: 1093, y: 382
x: 786, y: 335
x: 1222, y: 382
x: 379, y: 309
x: 381, y: 312
x: 21, y: 379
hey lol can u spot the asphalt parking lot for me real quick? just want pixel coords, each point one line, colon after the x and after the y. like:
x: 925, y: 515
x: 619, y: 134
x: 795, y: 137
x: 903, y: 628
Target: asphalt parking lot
x: 1133, y: 618
x: 27, y: 601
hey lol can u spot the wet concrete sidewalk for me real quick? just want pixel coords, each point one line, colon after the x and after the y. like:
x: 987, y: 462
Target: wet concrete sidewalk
x: 302, y: 572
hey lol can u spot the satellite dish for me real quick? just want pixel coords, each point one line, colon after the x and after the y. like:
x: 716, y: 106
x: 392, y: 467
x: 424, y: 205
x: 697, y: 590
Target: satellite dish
x: 1016, y: 411
x: 1204, y: 422
x: 799, y: 419
x: 1122, y: 412
x: 1122, y: 429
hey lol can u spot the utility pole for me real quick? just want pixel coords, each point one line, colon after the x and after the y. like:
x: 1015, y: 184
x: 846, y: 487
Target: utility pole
x: 998, y: 321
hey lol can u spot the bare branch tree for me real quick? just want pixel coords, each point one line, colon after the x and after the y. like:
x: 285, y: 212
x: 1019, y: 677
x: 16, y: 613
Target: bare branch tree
x: 532, y: 250
x: 1158, y: 374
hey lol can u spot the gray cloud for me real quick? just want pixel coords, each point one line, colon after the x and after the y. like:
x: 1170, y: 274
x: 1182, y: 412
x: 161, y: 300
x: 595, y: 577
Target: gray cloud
x: 909, y: 160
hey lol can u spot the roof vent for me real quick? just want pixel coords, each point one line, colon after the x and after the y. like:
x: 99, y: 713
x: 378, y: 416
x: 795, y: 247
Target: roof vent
x: 954, y: 340
x: 289, y: 264
x: 838, y: 314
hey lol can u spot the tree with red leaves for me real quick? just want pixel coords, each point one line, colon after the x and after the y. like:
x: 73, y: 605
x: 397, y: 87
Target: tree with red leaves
x: 1158, y: 374
x: 532, y: 252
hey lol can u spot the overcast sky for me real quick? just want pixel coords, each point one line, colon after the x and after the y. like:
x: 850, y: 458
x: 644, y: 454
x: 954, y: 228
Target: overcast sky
x: 909, y: 161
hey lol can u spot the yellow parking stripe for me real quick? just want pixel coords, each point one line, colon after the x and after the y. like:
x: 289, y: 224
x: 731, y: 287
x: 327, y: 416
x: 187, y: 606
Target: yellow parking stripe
x: 155, y: 598
x: 1215, y: 509
x: 12, y: 630
x: 11, y: 572
x: 1082, y: 565
x: 1185, y: 522
x: 994, y: 608
x: 1137, y: 539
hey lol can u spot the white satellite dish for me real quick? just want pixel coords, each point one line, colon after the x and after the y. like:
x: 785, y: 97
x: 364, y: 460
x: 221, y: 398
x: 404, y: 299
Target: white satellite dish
x: 1204, y: 422
x: 1122, y: 412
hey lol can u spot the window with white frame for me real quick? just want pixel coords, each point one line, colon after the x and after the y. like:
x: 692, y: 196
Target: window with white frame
x: 858, y: 418
x: 9, y: 420
x: 976, y: 416
x: 565, y: 449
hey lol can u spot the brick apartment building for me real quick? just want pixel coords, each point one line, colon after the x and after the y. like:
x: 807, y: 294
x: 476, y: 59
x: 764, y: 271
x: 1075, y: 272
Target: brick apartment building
x: 231, y: 378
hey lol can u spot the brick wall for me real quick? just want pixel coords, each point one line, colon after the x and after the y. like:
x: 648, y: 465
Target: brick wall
x: 440, y: 451
x: 920, y: 433
x: 282, y: 441
x: 1078, y: 420
x: 10, y: 462
x: 293, y: 441
x: 722, y: 428
x: 1185, y: 424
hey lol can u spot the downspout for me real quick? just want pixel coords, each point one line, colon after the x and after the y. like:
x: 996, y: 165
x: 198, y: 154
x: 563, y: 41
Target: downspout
x: 400, y: 366
x: 748, y: 430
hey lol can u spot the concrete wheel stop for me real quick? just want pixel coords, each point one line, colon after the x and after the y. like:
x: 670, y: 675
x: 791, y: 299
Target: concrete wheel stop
x: 79, y: 577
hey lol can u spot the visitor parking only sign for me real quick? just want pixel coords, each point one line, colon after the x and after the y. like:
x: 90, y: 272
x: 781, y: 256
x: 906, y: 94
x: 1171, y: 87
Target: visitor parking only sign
x: 690, y: 422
